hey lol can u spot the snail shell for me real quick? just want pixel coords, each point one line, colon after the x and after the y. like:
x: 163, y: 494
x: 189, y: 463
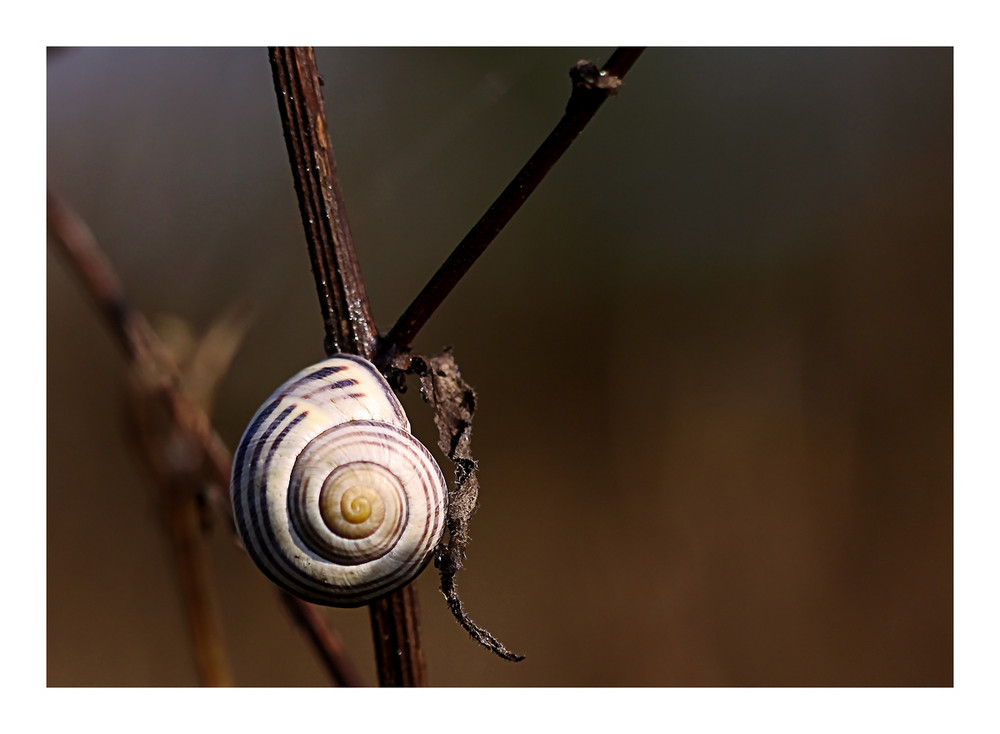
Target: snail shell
x: 335, y: 501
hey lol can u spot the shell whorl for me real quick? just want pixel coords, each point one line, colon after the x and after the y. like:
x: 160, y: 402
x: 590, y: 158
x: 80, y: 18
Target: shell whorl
x: 335, y: 501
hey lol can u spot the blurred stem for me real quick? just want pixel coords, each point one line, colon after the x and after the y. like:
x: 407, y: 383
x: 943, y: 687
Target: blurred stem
x: 191, y: 429
x: 591, y: 87
x: 344, y: 304
x: 175, y: 433
x: 194, y: 572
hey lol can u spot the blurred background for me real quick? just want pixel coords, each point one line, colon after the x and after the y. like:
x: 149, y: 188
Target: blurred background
x: 713, y: 354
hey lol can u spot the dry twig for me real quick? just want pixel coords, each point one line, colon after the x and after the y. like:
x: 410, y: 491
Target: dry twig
x: 347, y: 315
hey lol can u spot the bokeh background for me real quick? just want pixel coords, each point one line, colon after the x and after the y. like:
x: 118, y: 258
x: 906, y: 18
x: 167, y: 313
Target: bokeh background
x: 713, y: 354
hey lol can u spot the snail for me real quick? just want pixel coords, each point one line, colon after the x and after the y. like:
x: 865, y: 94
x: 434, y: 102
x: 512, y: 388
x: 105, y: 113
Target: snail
x: 335, y: 501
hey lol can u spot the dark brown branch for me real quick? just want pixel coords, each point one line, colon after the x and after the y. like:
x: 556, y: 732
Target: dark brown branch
x: 144, y: 348
x: 395, y: 628
x: 591, y: 87
x: 344, y: 303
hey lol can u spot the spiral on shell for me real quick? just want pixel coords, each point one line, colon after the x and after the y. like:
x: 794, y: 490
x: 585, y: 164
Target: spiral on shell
x: 335, y: 501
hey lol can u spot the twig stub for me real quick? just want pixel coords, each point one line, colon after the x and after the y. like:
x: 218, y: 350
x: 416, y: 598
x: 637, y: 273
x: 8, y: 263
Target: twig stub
x: 588, y: 77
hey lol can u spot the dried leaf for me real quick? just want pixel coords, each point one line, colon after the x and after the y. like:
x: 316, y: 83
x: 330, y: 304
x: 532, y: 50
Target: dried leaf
x: 454, y: 403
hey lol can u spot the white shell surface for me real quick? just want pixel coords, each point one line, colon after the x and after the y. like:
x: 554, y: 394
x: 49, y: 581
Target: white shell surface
x: 338, y: 413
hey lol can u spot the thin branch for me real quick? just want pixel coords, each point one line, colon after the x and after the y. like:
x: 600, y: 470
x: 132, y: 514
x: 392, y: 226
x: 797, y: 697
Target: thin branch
x: 344, y: 303
x: 591, y: 87
x: 145, y: 349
